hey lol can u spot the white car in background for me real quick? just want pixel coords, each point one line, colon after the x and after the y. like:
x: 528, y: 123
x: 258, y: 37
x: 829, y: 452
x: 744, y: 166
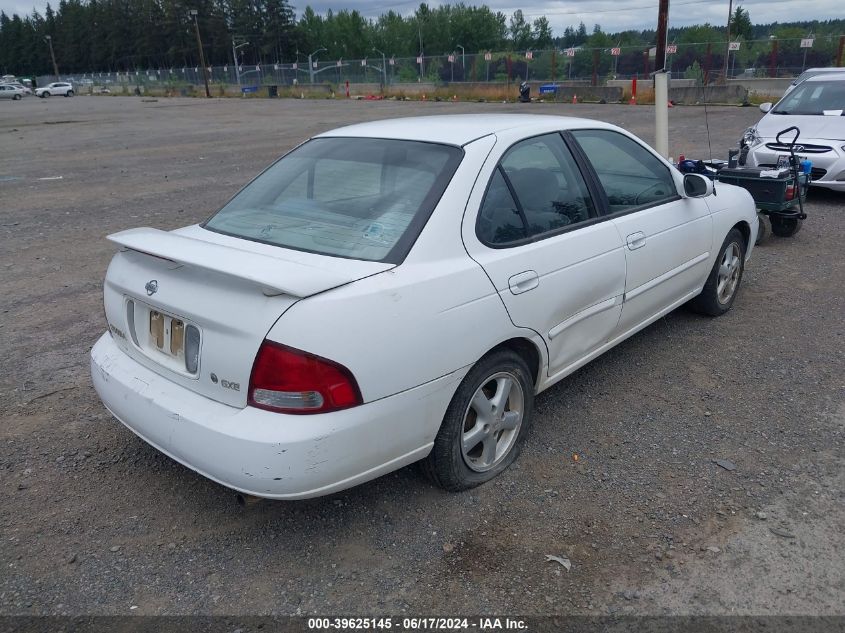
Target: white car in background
x: 26, y: 89
x: 811, y: 72
x: 57, y: 88
x: 399, y: 291
x: 817, y: 108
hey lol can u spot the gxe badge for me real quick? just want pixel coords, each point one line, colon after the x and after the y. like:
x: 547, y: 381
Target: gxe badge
x: 151, y: 287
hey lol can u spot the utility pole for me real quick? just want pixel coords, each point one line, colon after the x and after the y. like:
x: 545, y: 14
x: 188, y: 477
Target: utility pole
x: 661, y: 83
x: 463, y: 62
x: 194, y: 12
x: 728, y: 45
x: 49, y: 39
x: 774, y: 58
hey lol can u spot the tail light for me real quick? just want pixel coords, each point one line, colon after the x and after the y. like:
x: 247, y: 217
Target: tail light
x: 790, y: 192
x: 288, y: 380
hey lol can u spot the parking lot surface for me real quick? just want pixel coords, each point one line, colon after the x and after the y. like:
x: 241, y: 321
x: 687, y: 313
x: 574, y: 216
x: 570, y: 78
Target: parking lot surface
x: 95, y: 521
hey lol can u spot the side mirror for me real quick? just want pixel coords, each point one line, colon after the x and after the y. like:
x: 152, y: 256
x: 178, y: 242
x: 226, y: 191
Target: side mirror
x: 697, y: 186
x: 765, y: 107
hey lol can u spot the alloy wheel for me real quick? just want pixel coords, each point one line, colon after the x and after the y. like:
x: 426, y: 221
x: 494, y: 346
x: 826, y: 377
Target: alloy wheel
x: 492, y: 421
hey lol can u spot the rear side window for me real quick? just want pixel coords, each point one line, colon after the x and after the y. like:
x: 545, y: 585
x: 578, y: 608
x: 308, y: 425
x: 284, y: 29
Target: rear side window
x: 631, y: 176
x: 537, y: 190
x: 359, y: 198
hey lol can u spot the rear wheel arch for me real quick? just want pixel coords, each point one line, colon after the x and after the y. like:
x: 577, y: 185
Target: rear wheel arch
x: 526, y: 349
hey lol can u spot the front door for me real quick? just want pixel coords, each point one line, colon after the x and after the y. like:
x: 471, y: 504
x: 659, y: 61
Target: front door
x: 667, y: 238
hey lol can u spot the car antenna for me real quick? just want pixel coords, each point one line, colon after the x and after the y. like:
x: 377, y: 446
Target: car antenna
x: 707, y: 127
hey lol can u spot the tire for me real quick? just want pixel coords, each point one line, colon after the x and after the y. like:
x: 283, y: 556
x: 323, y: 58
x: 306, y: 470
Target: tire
x: 785, y: 227
x: 722, y: 285
x: 468, y: 450
x: 764, y: 228
x: 69, y: 93
x: 44, y: 95
x: 16, y: 98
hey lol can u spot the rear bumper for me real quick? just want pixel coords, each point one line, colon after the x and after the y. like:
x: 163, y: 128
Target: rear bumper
x: 269, y: 454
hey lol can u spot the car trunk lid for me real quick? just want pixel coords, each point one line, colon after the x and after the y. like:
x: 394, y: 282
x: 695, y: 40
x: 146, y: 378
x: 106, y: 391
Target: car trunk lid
x: 194, y: 305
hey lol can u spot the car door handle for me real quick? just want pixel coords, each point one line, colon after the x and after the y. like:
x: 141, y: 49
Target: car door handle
x: 636, y: 240
x: 523, y: 282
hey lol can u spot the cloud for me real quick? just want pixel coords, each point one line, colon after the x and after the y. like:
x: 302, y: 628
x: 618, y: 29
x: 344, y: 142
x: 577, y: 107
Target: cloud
x: 611, y: 14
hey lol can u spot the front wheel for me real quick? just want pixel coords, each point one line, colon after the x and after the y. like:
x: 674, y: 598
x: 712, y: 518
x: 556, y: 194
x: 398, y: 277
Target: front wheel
x: 69, y: 93
x: 722, y: 285
x: 785, y: 227
x: 16, y: 98
x: 485, y: 424
x: 44, y: 95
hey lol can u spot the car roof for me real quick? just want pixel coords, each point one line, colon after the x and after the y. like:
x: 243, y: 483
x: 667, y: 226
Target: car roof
x: 460, y: 129
x: 824, y: 77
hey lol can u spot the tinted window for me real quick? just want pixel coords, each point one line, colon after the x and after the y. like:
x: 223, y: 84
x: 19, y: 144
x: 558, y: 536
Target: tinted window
x: 549, y: 191
x: 499, y: 221
x: 359, y: 198
x: 630, y: 175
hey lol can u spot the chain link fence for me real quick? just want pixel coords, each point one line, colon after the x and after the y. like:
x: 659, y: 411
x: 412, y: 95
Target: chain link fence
x: 698, y: 63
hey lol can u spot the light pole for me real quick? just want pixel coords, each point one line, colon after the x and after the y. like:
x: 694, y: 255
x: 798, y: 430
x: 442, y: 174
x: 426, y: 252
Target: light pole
x: 728, y: 45
x: 451, y: 58
x: 422, y: 55
x: 49, y: 40
x: 193, y: 13
x: 804, y: 63
x: 383, y: 67
x: 463, y: 62
x: 311, y: 65
x: 774, y: 59
x: 235, y: 59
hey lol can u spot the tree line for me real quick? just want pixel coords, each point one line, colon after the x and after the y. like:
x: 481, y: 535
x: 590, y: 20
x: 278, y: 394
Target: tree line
x: 123, y: 35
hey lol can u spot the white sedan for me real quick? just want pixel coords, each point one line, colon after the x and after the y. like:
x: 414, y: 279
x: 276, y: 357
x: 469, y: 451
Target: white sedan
x: 400, y: 291
x: 817, y: 108
x: 54, y: 89
x: 8, y: 91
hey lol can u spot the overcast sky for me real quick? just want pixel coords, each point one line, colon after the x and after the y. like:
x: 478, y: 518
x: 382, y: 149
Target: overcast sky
x: 613, y: 15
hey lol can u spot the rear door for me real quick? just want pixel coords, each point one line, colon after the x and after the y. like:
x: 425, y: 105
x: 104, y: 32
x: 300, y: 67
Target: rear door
x: 557, y: 266
x: 667, y: 238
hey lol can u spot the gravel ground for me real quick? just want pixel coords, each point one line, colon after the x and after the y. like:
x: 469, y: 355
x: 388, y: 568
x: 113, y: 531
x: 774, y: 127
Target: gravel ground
x: 94, y: 521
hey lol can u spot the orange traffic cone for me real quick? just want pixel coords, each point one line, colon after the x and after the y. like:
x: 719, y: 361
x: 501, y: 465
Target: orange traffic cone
x: 423, y: 97
x: 574, y: 98
x: 633, y: 100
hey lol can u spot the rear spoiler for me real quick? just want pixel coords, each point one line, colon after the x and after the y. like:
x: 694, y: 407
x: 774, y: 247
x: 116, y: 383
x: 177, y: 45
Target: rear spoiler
x: 274, y: 275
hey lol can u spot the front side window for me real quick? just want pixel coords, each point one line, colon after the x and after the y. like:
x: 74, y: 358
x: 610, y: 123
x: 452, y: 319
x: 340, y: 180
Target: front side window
x: 359, y: 198
x: 631, y: 176
x: 536, y: 190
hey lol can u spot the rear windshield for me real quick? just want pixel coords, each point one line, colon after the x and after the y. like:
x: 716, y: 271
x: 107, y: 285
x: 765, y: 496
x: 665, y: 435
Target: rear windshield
x: 345, y: 197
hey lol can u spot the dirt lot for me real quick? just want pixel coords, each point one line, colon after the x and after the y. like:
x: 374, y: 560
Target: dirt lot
x: 94, y: 521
